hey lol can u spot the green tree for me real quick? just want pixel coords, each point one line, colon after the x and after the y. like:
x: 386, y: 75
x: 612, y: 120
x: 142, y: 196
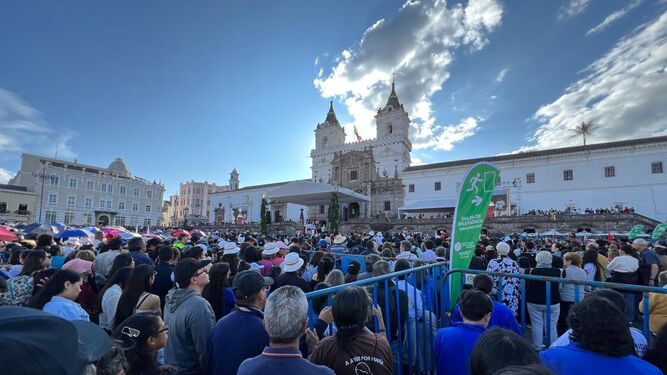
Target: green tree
x: 262, y: 217
x: 586, y: 128
x: 334, y: 213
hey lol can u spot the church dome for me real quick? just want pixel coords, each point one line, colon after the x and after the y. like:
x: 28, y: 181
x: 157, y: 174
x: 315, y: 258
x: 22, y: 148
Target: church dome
x: 119, y: 167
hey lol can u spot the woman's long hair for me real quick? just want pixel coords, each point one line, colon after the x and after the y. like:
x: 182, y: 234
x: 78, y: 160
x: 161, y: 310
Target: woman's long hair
x: 351, y: 309
x: 591, y: 256
x: 33, y: 262
x: 53, y: 287
x: 138, y: 283
x: 214, y: 291
x: 120, y: 261
x: 326, y: 265
x: 134, y: 333
x: 120, y: 277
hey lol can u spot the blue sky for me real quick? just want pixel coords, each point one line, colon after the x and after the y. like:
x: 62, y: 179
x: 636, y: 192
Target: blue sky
x: 190, y: 90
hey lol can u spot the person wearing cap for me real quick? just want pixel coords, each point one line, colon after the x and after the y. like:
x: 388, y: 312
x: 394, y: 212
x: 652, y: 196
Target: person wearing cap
x: 286, y: 321
x: 290, y: 274
x: 241, y: 334
x: 339, y: 245
x: 137, y: 248
x: 71, y: 245
x: 189, y: 317
x: 66, y: 347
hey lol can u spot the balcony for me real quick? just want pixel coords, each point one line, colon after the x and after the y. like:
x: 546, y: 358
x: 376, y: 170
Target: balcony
x: 22, y: 212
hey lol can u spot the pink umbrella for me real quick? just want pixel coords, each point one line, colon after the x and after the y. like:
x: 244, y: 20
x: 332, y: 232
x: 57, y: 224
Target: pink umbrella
x: 178, y: 232
x: 7, y: 235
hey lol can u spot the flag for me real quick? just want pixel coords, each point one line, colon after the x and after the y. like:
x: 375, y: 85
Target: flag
x: 356, y: 134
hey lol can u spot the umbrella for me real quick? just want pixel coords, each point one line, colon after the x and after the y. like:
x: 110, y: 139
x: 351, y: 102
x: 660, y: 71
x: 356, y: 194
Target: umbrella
x: 552, y: 232
x: 45, y: 229
x: 74, y: 233
x: 149, y: 235
x: 584, y: 234
x: 178, y: 232
x: 58, y: 225
x: 7, y: 235
x: 128, y: 235
x: 199, y: 232
x: 30, y: 227
x: 109, y: 228
x: 92, y: 229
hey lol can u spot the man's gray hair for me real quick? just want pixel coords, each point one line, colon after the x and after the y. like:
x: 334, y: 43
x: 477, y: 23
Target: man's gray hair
x: 285, y: 314
x: 381, y: 267
x: 544, y: 257
x: 406, y: 245
x: 640, y: 242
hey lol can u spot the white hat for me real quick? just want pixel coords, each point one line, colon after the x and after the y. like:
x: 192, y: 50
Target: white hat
x: 230, y: 248
x: 339, y: 239
x: 222, y: 243
x: 73, y: 241
x: 269, y: 249
x: 292, y: 263
x: 371, y: 233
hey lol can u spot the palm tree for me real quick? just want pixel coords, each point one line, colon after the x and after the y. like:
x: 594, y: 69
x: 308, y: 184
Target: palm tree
x: 586, y: 128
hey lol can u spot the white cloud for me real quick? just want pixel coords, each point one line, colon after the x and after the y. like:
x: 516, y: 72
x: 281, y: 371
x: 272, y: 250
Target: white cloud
x: 624, y: 94
x: 414, y: 160
x: 22, y: 129
x: 5, y: 175
x: 417, y: 46
x: 615, y: 16
x: 573, y: 8
x: 501, y: 76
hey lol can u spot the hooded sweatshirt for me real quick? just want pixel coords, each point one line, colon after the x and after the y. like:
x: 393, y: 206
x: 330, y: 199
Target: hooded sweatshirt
x: 190, y: 319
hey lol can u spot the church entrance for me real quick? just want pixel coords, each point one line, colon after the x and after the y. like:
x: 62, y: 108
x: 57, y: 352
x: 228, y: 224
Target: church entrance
x: 103, y: 221
x: 353, y: 210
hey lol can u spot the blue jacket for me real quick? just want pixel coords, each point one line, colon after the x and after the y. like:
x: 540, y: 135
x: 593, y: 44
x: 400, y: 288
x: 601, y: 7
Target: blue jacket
x: 66, y: 309
x: 501, y: 317
x: 236, y: 337
x: 572, y: 360
x: 453, y: 346
x: 281, y: 361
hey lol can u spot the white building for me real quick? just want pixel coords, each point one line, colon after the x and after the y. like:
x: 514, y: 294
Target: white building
x: 605, y: 175
x: 79, y: 194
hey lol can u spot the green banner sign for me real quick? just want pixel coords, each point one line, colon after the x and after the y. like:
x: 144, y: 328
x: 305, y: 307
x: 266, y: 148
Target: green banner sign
x: 659, y: 231
x: 471, y: 208
x: 637, y: 229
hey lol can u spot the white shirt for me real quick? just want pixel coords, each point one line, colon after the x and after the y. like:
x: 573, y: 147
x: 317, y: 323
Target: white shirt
x: 410, y: 291
x: 428, y: 256
x: 109, y: 306
x: 637, y: 336
x: 406, y: 255
x: 623, y: 263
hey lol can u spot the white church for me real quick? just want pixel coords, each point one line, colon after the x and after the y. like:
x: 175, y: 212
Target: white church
x: 374, y: 178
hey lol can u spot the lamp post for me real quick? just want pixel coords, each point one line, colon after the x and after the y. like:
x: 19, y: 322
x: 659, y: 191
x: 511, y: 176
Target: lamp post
x: 43, y: 175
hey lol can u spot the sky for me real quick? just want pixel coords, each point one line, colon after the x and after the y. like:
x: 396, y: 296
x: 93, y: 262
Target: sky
x: 190, y: 90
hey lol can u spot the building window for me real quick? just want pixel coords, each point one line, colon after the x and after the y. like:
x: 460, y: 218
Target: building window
x: 71, y: 201
x: 390, y: 129
x: 69, y: 218
x: 321, y: 209
x: 353, y: 176
x: 89, y: 203
x: 147, y: 222
x: 149, y: 194
x: 120, y: 221
x: 72, y: 183
x: 123, y: 190
x: 568, y: 175
x: 54, y: 180
x: 387, y: 205
x: 50, y: 216
x: 87, y: 219
x: 411, y: 188
x: 53, y: 198
x: 438, y: 186
x: 121, y: 205
x: 656, y: 167
x: 104, y: 188
x: 136, y: 192
x: 109, y: 204
x: 610, y: 171
x: 148, y: 208
x: 102, y: 203
x: 530, y: 178
x: 135, y: 206
x: 23, y: 209
x: 90, y: 186
x: 3, y: 207
x: 110, y: 188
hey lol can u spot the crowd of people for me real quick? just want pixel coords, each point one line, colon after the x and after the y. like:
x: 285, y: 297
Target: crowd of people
x: 228, y: 303
x: 579, y: 211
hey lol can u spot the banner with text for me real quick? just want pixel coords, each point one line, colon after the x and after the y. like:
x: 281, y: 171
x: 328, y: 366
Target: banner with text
x: 636, y: 230
x: 659, y: 231
x: 471, y: 209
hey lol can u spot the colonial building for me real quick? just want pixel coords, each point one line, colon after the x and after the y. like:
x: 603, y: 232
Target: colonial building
x: 192, y: 205
x: 17, y: 204
x: 80, y: 194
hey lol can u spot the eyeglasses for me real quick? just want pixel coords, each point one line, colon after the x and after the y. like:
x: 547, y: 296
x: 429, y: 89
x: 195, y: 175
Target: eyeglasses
x: 199, y: 273
x: 163, y: 330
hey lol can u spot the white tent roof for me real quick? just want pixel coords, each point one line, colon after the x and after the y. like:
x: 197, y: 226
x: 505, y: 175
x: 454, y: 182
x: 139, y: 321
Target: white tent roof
x: 312, y: 193
x: 429, y: 204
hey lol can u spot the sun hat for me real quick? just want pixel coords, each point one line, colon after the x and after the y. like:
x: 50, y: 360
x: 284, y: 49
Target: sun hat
x: 339, y: 239
x: 187, y: 268
x: 73, y: 241
x: 44, y: 343
x: 249, y: 283
x: 371, y: 233
x: 292, y: 263
x: 79, y: 265
x: 280, y: 245
x: 269, y: 248
x: 230, y: 248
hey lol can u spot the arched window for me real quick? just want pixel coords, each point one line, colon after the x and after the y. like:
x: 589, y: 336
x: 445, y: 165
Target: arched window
x: 390, y: 128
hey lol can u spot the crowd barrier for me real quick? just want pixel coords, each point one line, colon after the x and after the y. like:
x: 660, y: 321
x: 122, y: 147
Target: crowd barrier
x: 412, y: 343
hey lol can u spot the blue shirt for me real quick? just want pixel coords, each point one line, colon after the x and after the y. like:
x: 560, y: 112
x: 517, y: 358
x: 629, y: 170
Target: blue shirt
x: 572, y: 360
x: 501, y: 317
x: 281, y: 361
x: 453, y: 346
x: 140, y: 258
x: 236, y: 337
x: 66, y: 309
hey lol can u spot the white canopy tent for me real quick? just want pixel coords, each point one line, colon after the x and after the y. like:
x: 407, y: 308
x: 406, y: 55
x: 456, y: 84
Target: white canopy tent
x: 312, y: 193
x: 429, y: 205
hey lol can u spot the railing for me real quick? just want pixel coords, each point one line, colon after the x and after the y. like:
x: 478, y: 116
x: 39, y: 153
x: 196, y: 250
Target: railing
x: 412, y: 341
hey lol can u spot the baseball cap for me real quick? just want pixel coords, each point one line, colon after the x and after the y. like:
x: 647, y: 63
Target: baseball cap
x: 187, y: 268
x: 249, y: 283
x: 44, y: 343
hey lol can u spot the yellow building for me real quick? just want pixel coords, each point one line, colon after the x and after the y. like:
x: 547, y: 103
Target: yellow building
x: 17, y: 204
